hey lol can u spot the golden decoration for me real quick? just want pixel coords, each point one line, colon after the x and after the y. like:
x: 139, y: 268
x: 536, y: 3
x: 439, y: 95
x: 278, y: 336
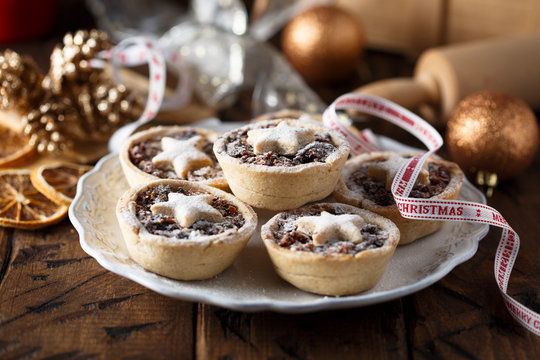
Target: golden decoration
x: 20, y: 81
x: 493, y: 133
x: 73, y: 102
x: 69, y: 61
x: 53, y: 125
x: 323, y: 43
x: 106, y: 106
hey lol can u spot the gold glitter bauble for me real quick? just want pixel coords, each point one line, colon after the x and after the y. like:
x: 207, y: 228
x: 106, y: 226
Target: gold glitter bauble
x: 494, y: 133
x: 323, y: 43
x: 20, y: 80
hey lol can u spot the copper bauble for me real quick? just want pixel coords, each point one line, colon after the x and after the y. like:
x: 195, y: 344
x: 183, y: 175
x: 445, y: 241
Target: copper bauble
x: 323, y: 43
x: 494, y: 133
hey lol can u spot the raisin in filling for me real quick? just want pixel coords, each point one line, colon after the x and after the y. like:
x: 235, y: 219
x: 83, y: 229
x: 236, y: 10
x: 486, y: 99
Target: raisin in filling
x: 167, y: 226
x: 286, y: 234
x: 439, y: 178
x: 142, y: 152
x: 316, y: 151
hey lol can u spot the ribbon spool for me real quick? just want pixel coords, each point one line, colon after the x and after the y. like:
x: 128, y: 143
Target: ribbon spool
x: 426, y: 209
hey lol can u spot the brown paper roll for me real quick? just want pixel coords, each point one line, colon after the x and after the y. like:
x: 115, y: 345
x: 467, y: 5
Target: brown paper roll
x: 445, y: 75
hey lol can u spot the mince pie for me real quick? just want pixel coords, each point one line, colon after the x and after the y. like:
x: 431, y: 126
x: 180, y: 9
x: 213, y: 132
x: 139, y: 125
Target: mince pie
x: 366, y: 181
x: 330, y: 248
x: 291, y: 114
x: 281, y: 164
x: 172, y: 152
x: 184, y: 230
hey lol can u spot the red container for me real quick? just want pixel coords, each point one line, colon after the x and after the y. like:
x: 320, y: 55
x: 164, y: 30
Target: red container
x: 25, y: 19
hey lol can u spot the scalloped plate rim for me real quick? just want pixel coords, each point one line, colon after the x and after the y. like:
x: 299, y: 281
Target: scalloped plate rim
x: 318, y: 304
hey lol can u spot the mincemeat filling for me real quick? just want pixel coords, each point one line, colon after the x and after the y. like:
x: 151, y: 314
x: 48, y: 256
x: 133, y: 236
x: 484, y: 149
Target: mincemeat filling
x: 142, y: 152
x: 167, y: 226
x: 316, y: 151
x: 286, y: 234
x: 373, y: 189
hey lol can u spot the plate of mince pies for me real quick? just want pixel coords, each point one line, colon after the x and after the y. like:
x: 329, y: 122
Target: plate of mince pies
x: 270, y: 215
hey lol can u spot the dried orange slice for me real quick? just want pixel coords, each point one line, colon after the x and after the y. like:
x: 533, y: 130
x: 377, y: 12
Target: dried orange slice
x: 23, y: 206
x: 15, y: 148
x: 58, y: 181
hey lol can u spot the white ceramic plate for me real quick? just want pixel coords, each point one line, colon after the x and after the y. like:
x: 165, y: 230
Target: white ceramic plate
x: 251, y: 284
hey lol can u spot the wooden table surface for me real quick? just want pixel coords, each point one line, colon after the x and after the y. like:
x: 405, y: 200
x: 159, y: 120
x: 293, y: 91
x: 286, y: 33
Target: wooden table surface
x: 57, y: 302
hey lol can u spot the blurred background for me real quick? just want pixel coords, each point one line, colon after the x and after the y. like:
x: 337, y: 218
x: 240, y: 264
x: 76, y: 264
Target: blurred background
x: 242, y: 59
x: 359, y: 39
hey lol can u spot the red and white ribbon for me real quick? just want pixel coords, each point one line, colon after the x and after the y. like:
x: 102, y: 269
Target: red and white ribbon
x: 434, y: 209
x: 137, y: 51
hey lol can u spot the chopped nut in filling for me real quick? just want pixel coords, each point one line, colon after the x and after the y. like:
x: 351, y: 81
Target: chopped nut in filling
x: 141, y: 154
x: 156, y: 211
x: 376, y: 190
x: 293, y: 233
x: 299, y: 146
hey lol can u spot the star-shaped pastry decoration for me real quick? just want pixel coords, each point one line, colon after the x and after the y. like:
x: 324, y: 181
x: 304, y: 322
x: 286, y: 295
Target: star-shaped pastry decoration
x: 281, y: 139
x: 182, y: 155
x: 187, y: 209
x: 385, y: 171
x: 331, y: 228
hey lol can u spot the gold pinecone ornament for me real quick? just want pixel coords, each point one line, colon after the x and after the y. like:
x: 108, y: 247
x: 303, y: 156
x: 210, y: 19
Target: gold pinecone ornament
x: 70, y: 62
x: 106, y: 106
x: 53, y: 125
x: 74, y: 103
x: 20, y: 82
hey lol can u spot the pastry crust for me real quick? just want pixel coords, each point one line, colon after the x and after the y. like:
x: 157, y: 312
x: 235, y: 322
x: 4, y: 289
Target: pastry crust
x: 136, y: 176
x: 410, y: 229
x: 183, y: 259
x: 283, y: 187
x: 291, y: 114
x: 331, y: 273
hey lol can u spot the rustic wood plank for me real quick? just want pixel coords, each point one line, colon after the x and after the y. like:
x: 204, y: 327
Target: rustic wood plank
x: 5, y: 250
x: 375, y: 332
x: 463, y: 315
x: 56, y: 301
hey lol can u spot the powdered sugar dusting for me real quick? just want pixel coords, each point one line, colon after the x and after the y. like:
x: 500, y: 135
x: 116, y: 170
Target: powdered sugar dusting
x: 182, y: 155
x: 187, y: 209
x: 282, y: 139
x: 327, y: 227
